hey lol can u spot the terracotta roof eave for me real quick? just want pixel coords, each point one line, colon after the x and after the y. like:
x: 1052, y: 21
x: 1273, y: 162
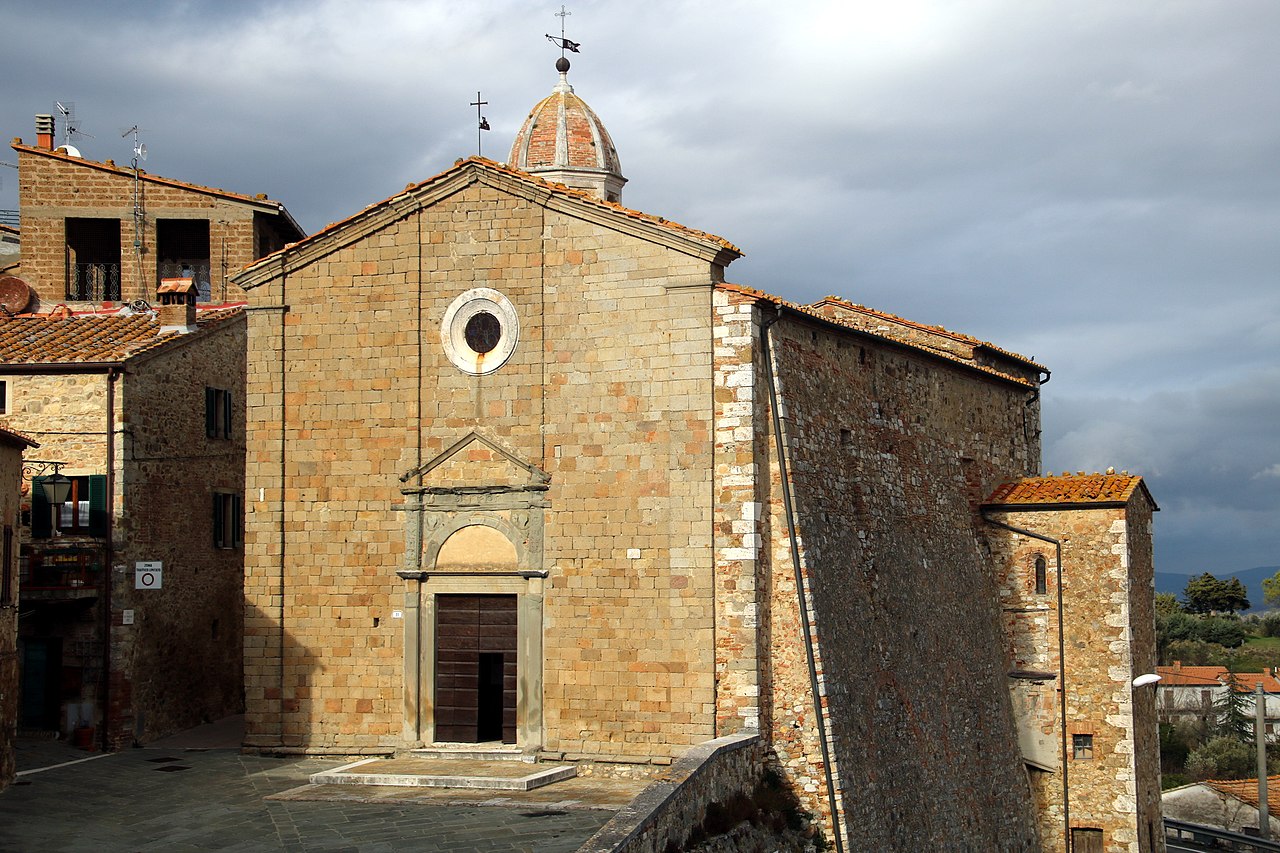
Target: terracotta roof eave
x: 407, y: 200
x: 1053, y: 507
x: 267, y: 205
x: 30, y: 368
x: 804, y: 311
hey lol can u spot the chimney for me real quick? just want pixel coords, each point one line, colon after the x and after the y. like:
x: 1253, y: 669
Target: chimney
x: 177, y: 309
x: 44, y: 132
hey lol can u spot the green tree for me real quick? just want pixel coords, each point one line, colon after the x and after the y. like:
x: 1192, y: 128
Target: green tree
x: 1221, y: 758
x: 1226, y: 631
x: 1271, y: 591
x: 1234, y: 712
x: 1167, y: 602
x: 1207, y: 594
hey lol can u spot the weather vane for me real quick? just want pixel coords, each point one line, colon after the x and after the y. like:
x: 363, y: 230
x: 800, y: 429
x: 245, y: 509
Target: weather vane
x: 482, y: 123
x: 562, y: 42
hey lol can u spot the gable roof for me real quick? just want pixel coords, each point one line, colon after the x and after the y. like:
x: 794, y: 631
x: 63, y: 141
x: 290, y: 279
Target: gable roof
x: 13, y: 438
x: 465, y: 173
x: 1078, y: 491
x: 94, y: 339
x: 1180, y: 675
x: 258, y: 202
x: 1246, y: 791
x: 897, y: 330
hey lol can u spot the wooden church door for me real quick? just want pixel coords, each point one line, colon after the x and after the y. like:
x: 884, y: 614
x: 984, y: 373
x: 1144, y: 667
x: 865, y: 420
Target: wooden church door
x: 475, y: 690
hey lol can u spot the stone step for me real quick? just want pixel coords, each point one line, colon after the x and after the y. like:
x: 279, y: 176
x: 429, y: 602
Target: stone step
x: 419, y: 772
x: 472, y: 752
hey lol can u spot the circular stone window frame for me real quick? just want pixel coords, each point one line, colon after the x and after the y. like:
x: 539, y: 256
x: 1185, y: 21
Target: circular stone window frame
x: 453, y: 330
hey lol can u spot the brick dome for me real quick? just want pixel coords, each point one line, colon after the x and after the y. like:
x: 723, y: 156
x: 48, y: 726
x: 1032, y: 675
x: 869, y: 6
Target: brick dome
x: 563, y: 140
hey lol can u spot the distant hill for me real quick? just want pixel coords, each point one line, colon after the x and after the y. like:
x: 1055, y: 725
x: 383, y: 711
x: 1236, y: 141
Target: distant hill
x: 1251, y: 578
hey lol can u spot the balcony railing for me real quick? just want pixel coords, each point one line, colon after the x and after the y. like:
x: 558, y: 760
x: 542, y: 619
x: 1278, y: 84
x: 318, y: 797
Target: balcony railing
x: 94, y: 282
x: 63, y: 569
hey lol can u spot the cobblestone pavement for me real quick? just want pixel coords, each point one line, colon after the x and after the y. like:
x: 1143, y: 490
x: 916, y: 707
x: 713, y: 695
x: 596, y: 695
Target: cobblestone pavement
x: 178, y: 800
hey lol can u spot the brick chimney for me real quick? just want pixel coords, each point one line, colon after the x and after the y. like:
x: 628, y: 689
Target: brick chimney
x: 177, y: 309
x: 44, y: 132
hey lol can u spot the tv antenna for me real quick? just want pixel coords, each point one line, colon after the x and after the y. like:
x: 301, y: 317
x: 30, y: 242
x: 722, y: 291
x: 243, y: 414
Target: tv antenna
x: 70, y: 124
x: 139, y: 148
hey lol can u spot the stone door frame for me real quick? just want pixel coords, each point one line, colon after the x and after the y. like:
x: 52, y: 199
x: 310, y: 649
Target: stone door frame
x: 432, y: 514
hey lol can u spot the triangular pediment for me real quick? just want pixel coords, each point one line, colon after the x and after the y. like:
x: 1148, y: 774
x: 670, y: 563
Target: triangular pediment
x: 477, y: 461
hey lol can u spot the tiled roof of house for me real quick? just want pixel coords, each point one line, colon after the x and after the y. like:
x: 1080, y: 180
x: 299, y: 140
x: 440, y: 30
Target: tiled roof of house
x: 1246, y: 791
x: 1180, y: 675
x: 13, y: 437
x: 887, y: 332
x: 1247, y: 682
x: 1080, y: 488
x: 259, y: 200
x: 66, y: 338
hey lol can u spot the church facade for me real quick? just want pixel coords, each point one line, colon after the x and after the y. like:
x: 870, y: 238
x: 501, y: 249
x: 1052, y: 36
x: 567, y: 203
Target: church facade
x: 524, y: 469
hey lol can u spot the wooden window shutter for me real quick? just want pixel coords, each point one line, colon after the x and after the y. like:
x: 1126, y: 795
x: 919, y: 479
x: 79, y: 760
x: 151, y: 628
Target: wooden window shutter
x: 41, y: 515
x: 98, y: 505
x: 210, y: 412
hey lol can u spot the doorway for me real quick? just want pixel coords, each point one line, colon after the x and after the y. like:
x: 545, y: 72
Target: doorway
x: 475, y: 689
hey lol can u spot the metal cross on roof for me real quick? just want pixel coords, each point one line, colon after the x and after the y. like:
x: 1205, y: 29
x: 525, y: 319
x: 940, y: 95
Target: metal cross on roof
x: 482, y: 123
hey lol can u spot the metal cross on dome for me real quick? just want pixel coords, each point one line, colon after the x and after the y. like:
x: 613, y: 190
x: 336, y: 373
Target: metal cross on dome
x: 482, y: 123
x: 562, y: 42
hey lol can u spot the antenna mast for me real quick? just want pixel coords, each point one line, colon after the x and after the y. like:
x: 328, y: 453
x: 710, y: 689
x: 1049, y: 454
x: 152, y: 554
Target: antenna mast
x: 139, y: 153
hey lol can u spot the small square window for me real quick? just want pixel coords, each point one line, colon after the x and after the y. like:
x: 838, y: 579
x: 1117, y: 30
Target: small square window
x: 1082, y: 747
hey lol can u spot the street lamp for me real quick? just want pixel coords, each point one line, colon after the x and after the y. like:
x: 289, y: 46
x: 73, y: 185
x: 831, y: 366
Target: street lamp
x: 56, y: 488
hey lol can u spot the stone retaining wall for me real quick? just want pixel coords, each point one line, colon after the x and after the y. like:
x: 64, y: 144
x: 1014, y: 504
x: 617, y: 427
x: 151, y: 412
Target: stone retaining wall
x: 671, y: 807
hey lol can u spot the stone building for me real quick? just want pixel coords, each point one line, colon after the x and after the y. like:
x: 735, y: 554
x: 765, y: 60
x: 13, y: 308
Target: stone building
x: 131, y: 589
x: 524, y: 469
x: 12, y: 445
x: 95, y: 233
x: 1075, y: 551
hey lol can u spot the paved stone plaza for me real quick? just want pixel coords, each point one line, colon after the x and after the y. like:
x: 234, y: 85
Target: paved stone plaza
x: 182, y: 799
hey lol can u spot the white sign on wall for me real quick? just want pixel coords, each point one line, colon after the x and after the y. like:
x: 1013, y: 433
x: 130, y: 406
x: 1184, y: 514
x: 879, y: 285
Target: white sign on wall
x: 147, y: 575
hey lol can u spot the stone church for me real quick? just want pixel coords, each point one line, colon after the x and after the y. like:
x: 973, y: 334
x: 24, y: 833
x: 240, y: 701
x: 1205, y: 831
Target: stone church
x: 525, y: 469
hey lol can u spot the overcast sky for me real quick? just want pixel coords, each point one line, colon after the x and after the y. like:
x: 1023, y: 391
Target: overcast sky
x: 1094, y: 183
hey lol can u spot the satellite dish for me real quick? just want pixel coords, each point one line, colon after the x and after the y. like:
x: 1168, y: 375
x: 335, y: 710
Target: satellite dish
x: 141, y: 150
x: 70, y: 151
x: 1144, y: 680
x: 15, y: 294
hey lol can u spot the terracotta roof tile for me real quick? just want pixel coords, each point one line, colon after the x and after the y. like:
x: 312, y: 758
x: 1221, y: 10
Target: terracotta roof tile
x: 1246, y: 790
x: 1081, y: 488
x: 1247, y: 682
x: 9, y: 435
x: 92, y: 338
x: 1190, y: 676
x: 816, y: 311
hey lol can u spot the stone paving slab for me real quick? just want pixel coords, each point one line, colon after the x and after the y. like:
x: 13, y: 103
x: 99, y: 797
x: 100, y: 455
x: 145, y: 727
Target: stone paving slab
x: 190, y: 801
x: 446, y: 773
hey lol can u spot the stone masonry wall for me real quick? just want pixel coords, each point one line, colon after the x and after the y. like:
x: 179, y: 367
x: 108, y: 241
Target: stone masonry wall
x: 181, y: 661
x: 1108, y: 588
x: 10, y: 686
x: 889, y: 452
x: 607, y: 392
x: 52, y: 187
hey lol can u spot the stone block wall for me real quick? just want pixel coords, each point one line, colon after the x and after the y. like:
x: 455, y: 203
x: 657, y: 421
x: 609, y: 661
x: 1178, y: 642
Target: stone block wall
x: 180, y: 663
x: 606, y: 392
x: 53, y: 187
x: 888, y: 452
x: 1108, y: 589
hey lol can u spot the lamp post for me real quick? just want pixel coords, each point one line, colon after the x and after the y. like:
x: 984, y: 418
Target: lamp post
x: 1260, y: 740
x: 56, y: 488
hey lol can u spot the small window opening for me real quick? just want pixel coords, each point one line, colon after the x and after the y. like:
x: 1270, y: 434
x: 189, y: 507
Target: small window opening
x: 1041, y: 576
x: 1082, y: 747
